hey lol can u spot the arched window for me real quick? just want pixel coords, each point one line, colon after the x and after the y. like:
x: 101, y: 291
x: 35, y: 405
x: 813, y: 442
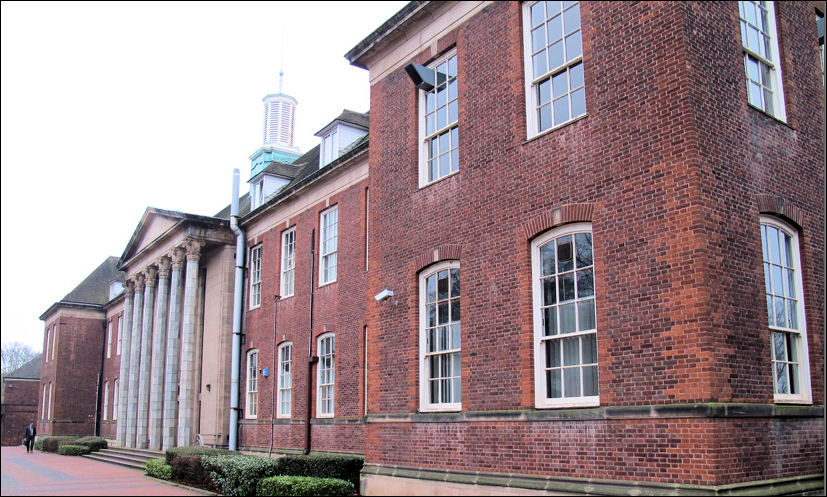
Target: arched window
x: 285, y: 379
x: 325, y: 399
x: 785, y: 311
x: 251, y: 411
x: 565, y: 324
x: 440, y: 365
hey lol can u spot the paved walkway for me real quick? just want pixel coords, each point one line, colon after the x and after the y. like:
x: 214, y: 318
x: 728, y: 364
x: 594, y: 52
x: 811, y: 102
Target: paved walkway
x: 42, y: 473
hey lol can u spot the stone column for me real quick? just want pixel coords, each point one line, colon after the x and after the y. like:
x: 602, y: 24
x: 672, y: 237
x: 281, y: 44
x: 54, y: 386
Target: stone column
x: 170, y: 429
x: 159, y: 343
x: 186, y: 398
x: 123, y: 376
x: 142, y: 435
x: 134, y: 360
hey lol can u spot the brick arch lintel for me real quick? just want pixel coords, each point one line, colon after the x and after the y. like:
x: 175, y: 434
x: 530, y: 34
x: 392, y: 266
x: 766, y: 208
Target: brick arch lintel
x: 557, y: 216
x: 444, y: 252
x: 773, y: 204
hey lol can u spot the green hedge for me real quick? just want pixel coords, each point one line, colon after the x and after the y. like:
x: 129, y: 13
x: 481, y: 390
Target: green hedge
x: 72, y: 450
x: 323, y: 466
x: 156, y: 468
x: 195, y: 450
x: 191, y: 471
x: 239, y: 474
x: 51, y: 444
x: 38, y: 444
x: 304, y: 486
x: 94, y: 443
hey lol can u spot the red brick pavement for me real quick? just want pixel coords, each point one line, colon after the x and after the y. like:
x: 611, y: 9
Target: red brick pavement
x: 49, y: 474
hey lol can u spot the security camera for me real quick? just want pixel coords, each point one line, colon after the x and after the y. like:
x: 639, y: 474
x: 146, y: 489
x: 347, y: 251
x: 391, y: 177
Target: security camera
x: 384, y: 294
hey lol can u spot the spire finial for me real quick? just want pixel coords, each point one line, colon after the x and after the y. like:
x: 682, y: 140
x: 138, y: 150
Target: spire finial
x: 281, y: 65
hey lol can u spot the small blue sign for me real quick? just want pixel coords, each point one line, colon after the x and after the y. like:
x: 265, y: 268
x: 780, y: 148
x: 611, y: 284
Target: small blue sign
x: 265, y: 372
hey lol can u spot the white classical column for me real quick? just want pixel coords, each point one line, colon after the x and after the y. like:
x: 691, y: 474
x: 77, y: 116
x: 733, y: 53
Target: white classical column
x: 159, y: 343
x: 186, y: 397
x: 170, y: 428
x: 134, y: 361
x: 123, y: 383
x: 142, y: 434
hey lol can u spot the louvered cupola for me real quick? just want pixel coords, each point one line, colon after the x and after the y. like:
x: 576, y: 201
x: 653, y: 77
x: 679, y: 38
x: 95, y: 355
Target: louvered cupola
x: 270, y: 165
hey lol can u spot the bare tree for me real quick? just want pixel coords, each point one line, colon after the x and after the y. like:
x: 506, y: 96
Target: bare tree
x: 15, y: 354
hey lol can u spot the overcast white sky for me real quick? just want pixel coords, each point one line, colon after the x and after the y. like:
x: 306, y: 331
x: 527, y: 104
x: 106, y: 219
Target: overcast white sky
x: 108, y: 108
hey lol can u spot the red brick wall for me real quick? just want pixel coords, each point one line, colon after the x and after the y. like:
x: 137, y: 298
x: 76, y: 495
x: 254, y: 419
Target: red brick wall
x: 338, y: 307
x: 74, y: 376
x: 670, y: 160
x: 19, y: 409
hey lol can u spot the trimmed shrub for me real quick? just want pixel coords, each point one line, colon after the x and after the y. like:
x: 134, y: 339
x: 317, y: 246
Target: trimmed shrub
x: 156, y: 468
x: 194, y: 450
x: 94, y: 443
x: 72, y: 450
x: 38, y: 444
x: 304, y: 486
x: 51, y: 444
x: 323, y: 466
x: 239, y: 474
x: 190, y: 470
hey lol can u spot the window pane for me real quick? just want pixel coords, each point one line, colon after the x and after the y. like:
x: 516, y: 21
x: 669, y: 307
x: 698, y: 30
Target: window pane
x: 585, y: 315
x: 538, y: 39
x: 556, y: 58
x: 554, y: 388
x: 788, y: 245
x: 792, y: 352
x: 770, y: 311
x: 560, y: 84
x: 779, y: 346
x: 442, y: 285
x: 564, y: 254
x: 555, y: 29
x: 550, y: 291
x: 777, y: 281
x: 430, y: 284
x: 781, y: 383
x: 567, y: 319
x: 431, y: 312
x: 537, y: 14
x: 571, y: 351
x: 566, y: 287
x: 544, y: 89
x: 589, y: 348
x: 546, y: 121
x: 455, y: 313
x: 455, y: 283
x: 552, y: 8
x: 443, y: 313
x: 578, y: 103
x: 590, y: 380
x: 455, y: 336
x: 552, y: 353
x: 457, y: 392
x: 755, y: 94
x: 792, y: 314
x: 572, y: 377
x: 549, y: 321
x: 547, y: 257
x: 573, y: 46
x: 767, y: 279
x: 571, y: 18
x: 576, y: 76
x: 780, y: 312
x: 540, y: 64
x: 772, y: 233
x: 585, y: 283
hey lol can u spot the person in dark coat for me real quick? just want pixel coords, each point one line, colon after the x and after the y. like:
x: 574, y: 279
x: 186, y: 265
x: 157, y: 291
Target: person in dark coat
x: 31, y: 432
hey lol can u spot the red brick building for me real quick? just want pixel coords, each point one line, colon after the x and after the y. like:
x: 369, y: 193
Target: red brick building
x: 582, y: 211
x: 307, y: 245
x: 20, y: 389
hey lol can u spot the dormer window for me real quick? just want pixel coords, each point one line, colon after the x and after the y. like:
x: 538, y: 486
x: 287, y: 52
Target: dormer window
x: 258, y: 194
x: 115, y: 288
x: 329, y: 148
x: 340, y: 134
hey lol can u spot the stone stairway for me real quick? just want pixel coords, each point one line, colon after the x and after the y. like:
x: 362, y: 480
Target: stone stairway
x: 130, y: 458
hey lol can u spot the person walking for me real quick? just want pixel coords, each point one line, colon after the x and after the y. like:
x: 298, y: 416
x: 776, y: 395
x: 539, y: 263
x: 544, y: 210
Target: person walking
x: 31, y: 432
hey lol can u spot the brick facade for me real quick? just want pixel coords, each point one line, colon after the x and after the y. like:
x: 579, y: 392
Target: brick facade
x: 672, y: 168
x: 338, y: 307
x: 19, y: 409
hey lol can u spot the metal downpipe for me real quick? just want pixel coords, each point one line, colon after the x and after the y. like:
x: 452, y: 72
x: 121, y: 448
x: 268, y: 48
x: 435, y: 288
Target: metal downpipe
x: 238, y: 290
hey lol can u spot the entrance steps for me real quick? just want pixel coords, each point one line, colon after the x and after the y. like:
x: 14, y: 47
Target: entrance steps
x: 130, y: 458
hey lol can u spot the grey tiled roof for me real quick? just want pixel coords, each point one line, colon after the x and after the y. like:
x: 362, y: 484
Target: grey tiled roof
x: 383, y: 31
x: 30, y: 370
x: 352, y: 117
x: 95, y: 288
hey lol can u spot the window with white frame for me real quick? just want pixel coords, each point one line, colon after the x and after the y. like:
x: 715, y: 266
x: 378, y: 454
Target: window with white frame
x: 255, y: 277
x: 330, y: 147
x: 440, y: 366
x: 327, y: 376
x: 252, y: 385
x: 761, y: 57
x: 49, y: 414
x: 43, y: 405
x: 439, y: 122
x: 329, y: 245
x: 785, y: 311
x: 54, y: 340
x: 109, y: 339
x: 115, y: 400
x: 288, y: 261
x: 46, y: 355
x: 120, y: 334
x: 565, y: 324
x: 820, y: 28
x: 285, y: 380
x: 105, y: 413
x: 554, y: 81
